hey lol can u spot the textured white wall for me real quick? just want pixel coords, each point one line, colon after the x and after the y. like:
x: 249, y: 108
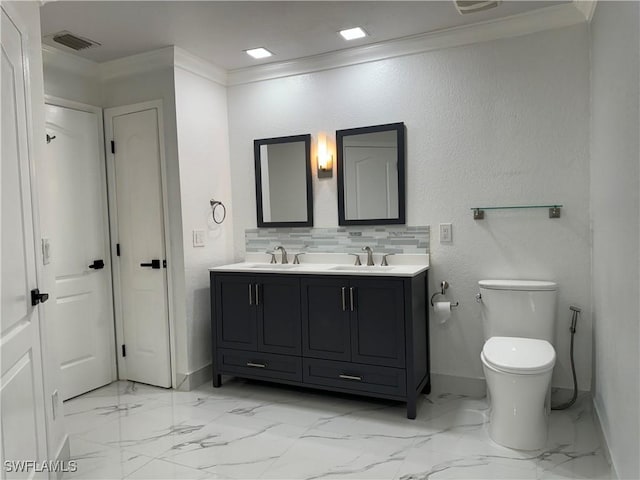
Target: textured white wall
x: 203, y: 149
x: 615, y: 209
x: 497, y: 123
x: 60, y: 82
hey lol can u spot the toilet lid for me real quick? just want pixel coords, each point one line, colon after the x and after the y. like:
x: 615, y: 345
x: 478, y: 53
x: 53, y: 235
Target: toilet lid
x: 519, y: 355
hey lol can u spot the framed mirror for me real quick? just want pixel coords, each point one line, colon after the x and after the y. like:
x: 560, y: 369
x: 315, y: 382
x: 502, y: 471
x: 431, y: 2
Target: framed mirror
x: 283, y: 181
x: 371, y: 171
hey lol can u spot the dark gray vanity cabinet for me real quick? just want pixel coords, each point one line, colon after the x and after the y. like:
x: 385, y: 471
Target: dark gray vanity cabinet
x: 352, y: 334
x: 357, y: 320
x: 326, y: 325
x: 257, y: 316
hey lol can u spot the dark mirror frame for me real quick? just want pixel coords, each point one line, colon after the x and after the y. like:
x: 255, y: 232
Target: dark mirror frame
x: 401, y: 133
x: 256, y: 154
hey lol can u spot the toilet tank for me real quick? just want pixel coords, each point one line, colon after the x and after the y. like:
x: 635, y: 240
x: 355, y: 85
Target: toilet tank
x: 518, y: 308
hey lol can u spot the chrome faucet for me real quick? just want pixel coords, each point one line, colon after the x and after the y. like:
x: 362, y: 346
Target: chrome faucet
x: 369, y: 255
x: 284, y: 254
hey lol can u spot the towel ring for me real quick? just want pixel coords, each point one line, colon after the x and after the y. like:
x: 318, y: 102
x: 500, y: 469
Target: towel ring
x: 215, y: 204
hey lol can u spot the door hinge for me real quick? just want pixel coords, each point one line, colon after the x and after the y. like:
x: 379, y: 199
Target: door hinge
x: 113, y: 146
x: 118, y: 249
x: 124, y: 350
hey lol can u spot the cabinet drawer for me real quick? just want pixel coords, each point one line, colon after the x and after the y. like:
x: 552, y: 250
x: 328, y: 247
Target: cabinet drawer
x: 267, y: 365
x: 354, y: 376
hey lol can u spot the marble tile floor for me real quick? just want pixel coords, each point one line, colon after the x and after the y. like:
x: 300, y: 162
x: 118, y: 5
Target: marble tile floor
x: 247, y: 430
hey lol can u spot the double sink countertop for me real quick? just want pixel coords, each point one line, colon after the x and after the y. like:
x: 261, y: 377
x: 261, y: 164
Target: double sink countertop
x: 400, y: 265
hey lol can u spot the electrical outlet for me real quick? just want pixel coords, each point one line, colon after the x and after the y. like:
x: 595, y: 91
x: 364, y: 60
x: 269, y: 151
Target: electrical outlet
x: 446, y: 233
x: 198, y: 238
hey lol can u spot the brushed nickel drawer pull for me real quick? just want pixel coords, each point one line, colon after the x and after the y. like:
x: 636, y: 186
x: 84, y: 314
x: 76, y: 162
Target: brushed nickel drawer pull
x: 351, y: 297
x: 256, y: 365
x: 257, y: 294
x: 344, y: 299
x: 250, y: 294
x: 350, y: 377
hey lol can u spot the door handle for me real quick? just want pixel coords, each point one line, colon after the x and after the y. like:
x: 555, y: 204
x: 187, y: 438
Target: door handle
x: 37, y: 297
x: 350, y: 377
x: 97, y: 264
x: 155, y: 264
x: 257, y: 294
x: 250, y: 294
x: 344, y: 299
x: 351, y: 297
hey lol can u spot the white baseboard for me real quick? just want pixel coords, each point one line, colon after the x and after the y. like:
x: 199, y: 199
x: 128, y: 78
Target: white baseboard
x: 189, y: 381
x: 63, y: 455
x: 603, y: 440
x: 477, y: 387
x: 473, y: 387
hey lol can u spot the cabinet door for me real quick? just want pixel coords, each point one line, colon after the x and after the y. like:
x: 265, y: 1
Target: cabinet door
x: 325, y: 319
x: 278, y: 314
x: 235, y: 313
x: 377, y: 335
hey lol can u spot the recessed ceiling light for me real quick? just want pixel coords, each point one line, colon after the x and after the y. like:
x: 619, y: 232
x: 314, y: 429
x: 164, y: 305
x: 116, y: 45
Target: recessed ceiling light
x: 353, y: 33
x: 259, y: 52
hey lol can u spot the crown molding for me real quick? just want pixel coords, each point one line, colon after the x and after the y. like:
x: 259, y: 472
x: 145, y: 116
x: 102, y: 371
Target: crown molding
x: 54, y: 57
x: 547, y: 18
x: 199, y: 66
x: 586, y: 7
x: 139, y: 63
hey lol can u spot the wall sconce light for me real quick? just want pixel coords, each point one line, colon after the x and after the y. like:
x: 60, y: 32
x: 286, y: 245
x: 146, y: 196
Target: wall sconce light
x: 324, y: 158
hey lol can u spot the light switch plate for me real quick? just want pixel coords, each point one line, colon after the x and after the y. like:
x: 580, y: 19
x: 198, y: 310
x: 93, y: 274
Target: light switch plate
x: 198, y: 238
x: 446, y: 233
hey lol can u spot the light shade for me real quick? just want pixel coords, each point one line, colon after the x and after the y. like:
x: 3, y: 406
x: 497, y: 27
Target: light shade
x: 324, y: 158
x: 353, y: 33
x: 259, y: 52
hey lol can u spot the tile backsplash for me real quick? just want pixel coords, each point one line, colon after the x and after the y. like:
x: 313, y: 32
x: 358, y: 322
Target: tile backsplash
x: 382, y: 239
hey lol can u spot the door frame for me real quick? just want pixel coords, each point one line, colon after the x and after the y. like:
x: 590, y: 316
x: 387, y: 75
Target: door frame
x: 83, y: 107
x: 109, y: 114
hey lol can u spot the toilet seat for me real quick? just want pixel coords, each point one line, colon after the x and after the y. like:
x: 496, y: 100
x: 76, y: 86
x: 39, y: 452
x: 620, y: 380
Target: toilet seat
x: 524, y: 356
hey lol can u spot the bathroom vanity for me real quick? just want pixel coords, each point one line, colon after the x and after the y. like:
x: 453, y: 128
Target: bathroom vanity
x: 331, y: 326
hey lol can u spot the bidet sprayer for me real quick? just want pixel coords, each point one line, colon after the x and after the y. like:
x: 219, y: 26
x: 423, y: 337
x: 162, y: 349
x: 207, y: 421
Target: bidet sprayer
x: 574, y: 317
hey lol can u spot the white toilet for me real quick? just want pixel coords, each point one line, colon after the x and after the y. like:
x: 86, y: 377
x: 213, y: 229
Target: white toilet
x: 518, y: 319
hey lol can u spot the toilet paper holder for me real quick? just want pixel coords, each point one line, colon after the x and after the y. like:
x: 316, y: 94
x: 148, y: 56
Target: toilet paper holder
x: 443, y: 286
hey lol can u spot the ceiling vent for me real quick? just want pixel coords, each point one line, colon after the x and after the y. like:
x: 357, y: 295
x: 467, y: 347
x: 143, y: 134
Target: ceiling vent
x: 72, y: 41
x: 472, y: 6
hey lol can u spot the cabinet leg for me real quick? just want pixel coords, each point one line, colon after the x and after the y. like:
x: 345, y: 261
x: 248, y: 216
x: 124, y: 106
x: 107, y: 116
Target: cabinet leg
x: 217, y: 380
x: 411, y: 407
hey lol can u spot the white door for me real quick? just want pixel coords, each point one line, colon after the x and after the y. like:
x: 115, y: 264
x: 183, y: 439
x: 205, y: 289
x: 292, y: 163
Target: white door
x: 371, y: 179
x: 142, y: 273
x: 23, y: 433
x: 79, y: 249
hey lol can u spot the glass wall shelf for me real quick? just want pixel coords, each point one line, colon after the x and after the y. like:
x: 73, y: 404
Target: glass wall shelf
x: 554, y: 210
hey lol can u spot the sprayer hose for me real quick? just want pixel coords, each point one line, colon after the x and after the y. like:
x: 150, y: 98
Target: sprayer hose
x: 566, y: 405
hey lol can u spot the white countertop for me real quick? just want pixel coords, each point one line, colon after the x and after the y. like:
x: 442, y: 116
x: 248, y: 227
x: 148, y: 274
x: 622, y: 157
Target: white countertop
x: 400, y: 265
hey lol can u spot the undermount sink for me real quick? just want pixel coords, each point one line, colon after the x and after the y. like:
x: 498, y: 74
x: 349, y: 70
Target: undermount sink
x: 362, y: 268
x: 274, y: 266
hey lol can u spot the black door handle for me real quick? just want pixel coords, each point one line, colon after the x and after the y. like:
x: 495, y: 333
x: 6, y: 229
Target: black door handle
x: 37, y: 297
x: 97, y: 264
x: 155, y: 263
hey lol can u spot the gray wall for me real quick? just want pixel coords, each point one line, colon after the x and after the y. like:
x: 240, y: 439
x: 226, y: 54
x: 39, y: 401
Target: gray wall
x: 615, y: 214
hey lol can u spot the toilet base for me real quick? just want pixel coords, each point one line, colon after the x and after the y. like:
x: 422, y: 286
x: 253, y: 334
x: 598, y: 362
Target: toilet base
x: 519, y: 408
